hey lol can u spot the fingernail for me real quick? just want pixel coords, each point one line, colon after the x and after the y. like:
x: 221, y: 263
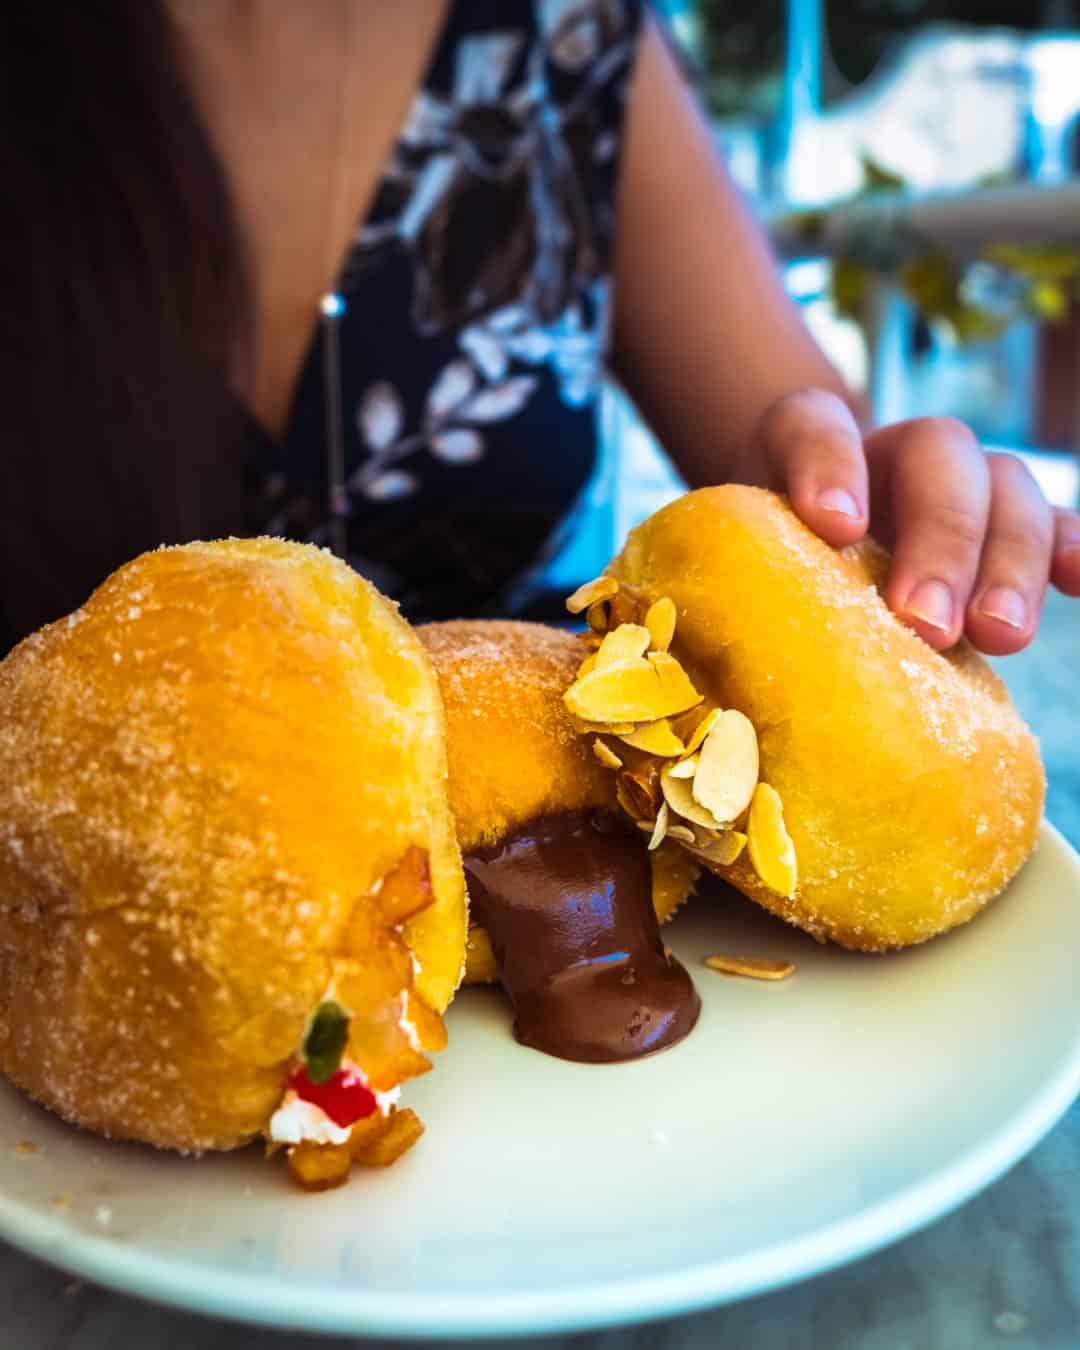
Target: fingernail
x: 840, y: 502
x: 931, y: 603
x: 1005, y: 605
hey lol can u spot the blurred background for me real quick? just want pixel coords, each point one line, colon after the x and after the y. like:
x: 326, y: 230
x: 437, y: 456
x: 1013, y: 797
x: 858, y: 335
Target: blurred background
x: 916, y: 163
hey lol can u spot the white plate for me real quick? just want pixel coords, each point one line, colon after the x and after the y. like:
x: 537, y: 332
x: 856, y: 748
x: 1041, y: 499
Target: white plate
x: 802, y: 1124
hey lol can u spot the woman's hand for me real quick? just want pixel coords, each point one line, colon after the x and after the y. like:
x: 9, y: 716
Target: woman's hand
x: 974, y: 541
x: 705, y: 338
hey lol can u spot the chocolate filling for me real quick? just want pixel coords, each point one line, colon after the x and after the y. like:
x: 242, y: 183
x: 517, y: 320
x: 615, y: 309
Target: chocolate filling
x: 567, y: 903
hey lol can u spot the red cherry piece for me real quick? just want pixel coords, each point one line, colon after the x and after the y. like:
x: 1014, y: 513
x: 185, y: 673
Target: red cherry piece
x: 345, y: 1098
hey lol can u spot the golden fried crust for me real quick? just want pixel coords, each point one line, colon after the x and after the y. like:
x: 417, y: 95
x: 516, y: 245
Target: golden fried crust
x: 514, y: 752
x: 202, y: 772
x: 911, y: 787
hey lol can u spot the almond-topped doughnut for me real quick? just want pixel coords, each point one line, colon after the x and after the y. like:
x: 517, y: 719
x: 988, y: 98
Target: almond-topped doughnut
x: 231, y: 900
x: 803, y: 742
x: 564, y: 894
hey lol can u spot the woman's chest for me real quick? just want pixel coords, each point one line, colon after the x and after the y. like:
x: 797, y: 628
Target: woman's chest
x: 304, y: 105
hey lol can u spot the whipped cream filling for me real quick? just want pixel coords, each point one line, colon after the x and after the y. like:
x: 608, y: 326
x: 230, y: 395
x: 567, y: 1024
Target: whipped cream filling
x: 299, y: 1122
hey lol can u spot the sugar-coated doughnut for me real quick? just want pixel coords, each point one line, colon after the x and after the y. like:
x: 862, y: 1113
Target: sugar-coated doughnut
x: 222, y: 796
x: 514, y: 752
x: 898, y: 788
x: 526, y: 792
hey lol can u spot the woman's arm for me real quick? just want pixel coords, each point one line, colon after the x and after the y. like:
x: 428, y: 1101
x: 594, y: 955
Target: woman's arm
x: 706, y: 337
x: 718, y: 360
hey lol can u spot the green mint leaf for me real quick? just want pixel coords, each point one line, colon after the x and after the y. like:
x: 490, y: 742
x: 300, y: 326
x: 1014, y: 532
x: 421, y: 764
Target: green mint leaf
x: 326, y: 1042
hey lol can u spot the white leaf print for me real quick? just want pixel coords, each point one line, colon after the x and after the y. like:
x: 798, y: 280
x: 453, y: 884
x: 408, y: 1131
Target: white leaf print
x: 534, y: 347
x: 428, y: 118
x: 455, y: 383
x: 578, y: 387
x: 507, y: 319
x: 379, y: 415
x: 390, y: 487
x: 500, y: 401
x: 482, y: 65
x: 577, y: 45
x: 432, y: 183
x: 458, y: 445
x: 572, y: 321
x: 486, y: 351
x: 605, y: 147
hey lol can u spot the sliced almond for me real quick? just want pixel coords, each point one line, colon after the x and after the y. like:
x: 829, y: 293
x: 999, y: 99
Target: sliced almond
x: 660, y: 828
x: 603, y: 588
x: 686, y: 768
x: 682, y: 833
x: 674, y: 679
x: 771, y: 848
x: 624, y: 607
x: 629, y: 805
x: 641, y: 793
x: 633, y: 691
x: 655, y: 738
x: 607, y: 757
x: 697, y: 736
x: 628, y: 642
x: 598, y: 618
x: 753, y: 967
x: 679, y: 796
x: 602, y: 728
x: 660, y: 621
x: 721, y: 849
x: 727, y: 771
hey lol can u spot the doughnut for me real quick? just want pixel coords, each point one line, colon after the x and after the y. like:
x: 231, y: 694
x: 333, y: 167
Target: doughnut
x: 564, y: 901
x: 231, y: 899
x: 806, y: 745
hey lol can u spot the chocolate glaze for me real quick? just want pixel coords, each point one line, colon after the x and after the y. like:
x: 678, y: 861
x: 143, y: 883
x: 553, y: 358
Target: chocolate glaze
x: 567, y: 903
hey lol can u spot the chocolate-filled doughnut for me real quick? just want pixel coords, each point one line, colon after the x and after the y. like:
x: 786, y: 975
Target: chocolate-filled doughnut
x: 565, y: 894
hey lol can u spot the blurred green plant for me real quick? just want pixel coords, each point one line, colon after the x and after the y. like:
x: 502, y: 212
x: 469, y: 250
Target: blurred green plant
x: 973, y: 299
x: 742, y: 41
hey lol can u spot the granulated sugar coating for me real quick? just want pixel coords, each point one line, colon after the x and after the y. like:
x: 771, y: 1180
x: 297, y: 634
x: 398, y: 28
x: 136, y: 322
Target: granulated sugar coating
x: 514, y: 752
x: 911, y: 787
x: 201, y: 773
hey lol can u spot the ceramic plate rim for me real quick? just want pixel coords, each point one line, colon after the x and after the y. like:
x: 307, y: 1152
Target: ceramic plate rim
x: 590, y: 1307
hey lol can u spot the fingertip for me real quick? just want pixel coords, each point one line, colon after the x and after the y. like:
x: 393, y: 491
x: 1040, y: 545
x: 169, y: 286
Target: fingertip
x: 1065, y: 562
x: 933, y: 637
x: 833, y: 513
x: 1002, y: 620
x: 1065, y: 569
x: 996, y: 639
x: 929, y: 608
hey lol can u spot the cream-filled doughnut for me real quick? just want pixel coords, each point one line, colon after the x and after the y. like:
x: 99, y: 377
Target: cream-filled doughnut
x: 231, y: 900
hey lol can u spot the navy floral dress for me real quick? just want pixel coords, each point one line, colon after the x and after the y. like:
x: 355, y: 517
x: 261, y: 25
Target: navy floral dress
x: 477, y: 298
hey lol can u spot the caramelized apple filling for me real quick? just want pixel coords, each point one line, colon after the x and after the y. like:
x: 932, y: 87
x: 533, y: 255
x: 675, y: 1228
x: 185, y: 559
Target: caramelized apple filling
x: 366, y: 1037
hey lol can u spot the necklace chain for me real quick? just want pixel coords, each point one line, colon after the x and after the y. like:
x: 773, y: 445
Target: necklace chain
x: 331, y: 312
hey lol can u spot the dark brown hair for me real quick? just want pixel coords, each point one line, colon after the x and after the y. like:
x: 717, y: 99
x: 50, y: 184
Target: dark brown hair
x: 123, y: 304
